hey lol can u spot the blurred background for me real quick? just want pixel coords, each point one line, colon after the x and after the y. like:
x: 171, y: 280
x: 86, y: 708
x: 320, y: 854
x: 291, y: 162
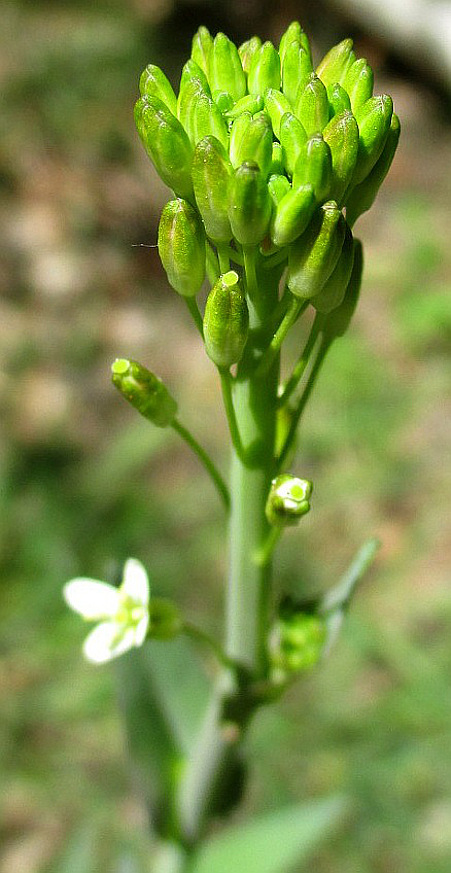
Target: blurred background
x: 85, y: 483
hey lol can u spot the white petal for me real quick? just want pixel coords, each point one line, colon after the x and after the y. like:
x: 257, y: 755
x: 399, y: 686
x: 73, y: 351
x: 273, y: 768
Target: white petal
x: 135, y: 583
x: 92, y: 599
x: 141, y: 630
x: 108, y: 640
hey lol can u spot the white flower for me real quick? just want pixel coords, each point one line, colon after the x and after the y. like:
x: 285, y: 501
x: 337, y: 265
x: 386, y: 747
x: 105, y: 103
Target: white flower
x: 123, y: 612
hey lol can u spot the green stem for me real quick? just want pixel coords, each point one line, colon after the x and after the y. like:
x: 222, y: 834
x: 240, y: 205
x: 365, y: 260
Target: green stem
x: 294, y: 308
x: 224, y: 258
x: 266, y: 551
x: 193, y: 308
x: 249, y: 256
x: 226, y: 385
x: 205, y: 460
x: 302, y: 362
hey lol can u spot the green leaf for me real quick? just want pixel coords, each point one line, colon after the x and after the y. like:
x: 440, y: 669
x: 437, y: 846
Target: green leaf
x: 272, y: 843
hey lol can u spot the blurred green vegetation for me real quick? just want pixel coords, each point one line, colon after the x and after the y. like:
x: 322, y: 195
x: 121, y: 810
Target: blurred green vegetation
x: 84, y: 484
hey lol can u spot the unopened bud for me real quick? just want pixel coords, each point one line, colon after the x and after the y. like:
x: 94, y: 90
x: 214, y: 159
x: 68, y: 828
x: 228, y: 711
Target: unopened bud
x: 277, y: 104
x: 358, y: 82
x: 181, y: 245
x: 314, y: 167
x: 201, y: 48
x: 226, y: 321
x: 211, y: 175
x: 256, y: 145
x: 153, y: 82
x: 312, y: 107
x: 294, y: 33
x: 292, y: 138
x: 250, y: 205
x: 247, y: 50
x: 277, y: 165
x: 166, y: 143
x: 333, y: 291
x: 288, y: 500
x: 278, y: 186
x: 363, y: 196
x: 225, y: 70
x: 144, y: 391
x: 292, y: 215
x: 264, y: 71
x: 338, y: 99
x: 296, y: 71
x: 337, y: 323
x: 373, y: 119
x: 336, y: 62
x: 314, y: 255
x: 342, y: 137
x: 237, y: 136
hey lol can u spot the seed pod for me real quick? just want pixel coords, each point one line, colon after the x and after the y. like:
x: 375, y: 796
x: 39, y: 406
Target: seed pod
x: 264, y: 71
x: 225, y: 70
x: 226, y: 321
x: 211, y: 174
x: 251, y: 103
x: 250, y: 205
x: 358, y: 82
x: 276, y: 105
x: 237, y: 135
x: 373, y: 119
x: 154, y: 83
x: 247, y: 51
x: 181, y: 245
x: 224, y: 101
x: 144, y: 391
x: 314, y: 255
x: 336, y: 62
x: 296, y: 70
x: 288, y: 500
x: 277, y: 165
x: 333, y: 292
x: 208, y: 121
x: 314, y: 167
x: 338, y: 99
x: 292, y: 138
x: 201, y: 48
x: 256, y: 145
x: 312, y: 107
x: 292, y: 215
x: 363, y: 196
x: 166, y: 143
x: 294, y: 33
x: 337, y: 322
x: 278, y: 186
x: 342, y: 137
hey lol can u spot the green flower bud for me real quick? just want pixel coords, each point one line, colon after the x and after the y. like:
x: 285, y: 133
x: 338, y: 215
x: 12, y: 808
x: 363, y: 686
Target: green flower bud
x: 208, y: 121
x: 288, y: 500
x: 226, y: 321
x: 333, y: 292
x: 165, y: 621
x: 251, y: 103
x: 278, y: 186
x: 237, y: 135
x: 342, y: 137
x: 373, y: 119
x: 225, y: 71
x: 298, y: 641
x: 190, y: 71
x: 247, y: 51
x: 292, y: 215
x: 224, y: 101
x: 276, y: 105
x: 181, y: 245
x: 296, y: 71
x: 336, y: 62
x: 144, y: 391
x: 277, y: 165
x: 211, y: 174
x: 191, y: 90
x: 154, y: 83
x: 250, y: 205
x: 292, y: 138
x: 201, y: 48
x: 337, y: 322
x: 358, y: 82
x: 294, y: 33
x: 166, y: 143
x: 264, y: 71
x: 338, y: 99
x: 314, y: 167
x: 312, y: 107
x: 314, y: 255
x: 256, y: 145
x: 363, y: 196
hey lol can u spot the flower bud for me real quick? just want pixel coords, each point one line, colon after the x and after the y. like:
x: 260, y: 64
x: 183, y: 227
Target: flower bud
x: 237, y: 135
x: 342, y: 137
x: 225, y: 70
x: 363, y: 196
x: 224, y: 101
x: 276, y: 105
x: 296, y: 71
x: 312, y: 106
x: 256, y: 145
x: 250, y: 205
x: 166, y: 143
x: 338, y: 99
x: 298, y: 641
x: 208, y: 121
x: 292, y: 138
x: 226, y: 321
x: 211, y: 174
x: 153, y: 82
x: 336, y: 62
x: 294, y: 33
x: 314, y: 167
x: 264, y: 71
x: 192, y: 70
x: 201, y: 48
x: 144, y: 391
x: 333, y: 291
x: 251, y: 103
x: 358, y: 82
x: 165, y: 621
x: 314, y: 255
x: 277, y: 165
x: 181, y: 245
x: 292, y: 215
x: 373, y: 119
x: 337, y: 322
x: 191, y: 90
x: 288, y: 500
x: 247, y: 51
x: 278, y: 186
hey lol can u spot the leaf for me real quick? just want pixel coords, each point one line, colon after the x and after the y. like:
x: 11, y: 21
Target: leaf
x: 272, y: 843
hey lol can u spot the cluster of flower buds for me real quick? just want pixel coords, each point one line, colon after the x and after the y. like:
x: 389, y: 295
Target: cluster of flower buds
x: 297, y: 639
x: 288, y: 500
x: 263, y: 150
